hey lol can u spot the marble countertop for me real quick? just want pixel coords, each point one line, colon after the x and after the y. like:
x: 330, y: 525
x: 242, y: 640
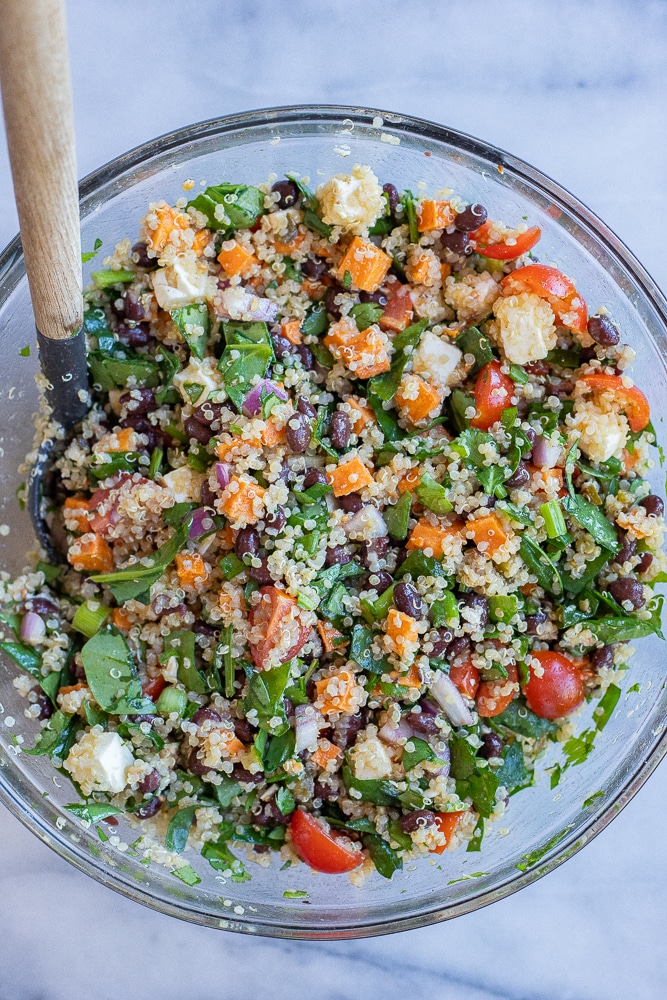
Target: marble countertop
x: 578, y: 89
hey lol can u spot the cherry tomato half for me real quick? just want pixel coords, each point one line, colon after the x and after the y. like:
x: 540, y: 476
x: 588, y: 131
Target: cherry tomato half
x: 153, y: 689
x: 493, y: 394
x: 320, y: 848
x: 493, y: 697
x: 632, y: 401
x: 559, y: 690
x: 446, y: 823
x: 466, y: 678
x: 552, y: 285
x: 399, y: 309
x: 523, y: 242
x: 270, y: 615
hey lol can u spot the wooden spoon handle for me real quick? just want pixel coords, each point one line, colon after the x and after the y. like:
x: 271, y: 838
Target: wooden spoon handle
x: 37, y: 99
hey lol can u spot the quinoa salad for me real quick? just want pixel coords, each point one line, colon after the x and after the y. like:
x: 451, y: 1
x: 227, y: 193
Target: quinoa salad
x: 357, y: 524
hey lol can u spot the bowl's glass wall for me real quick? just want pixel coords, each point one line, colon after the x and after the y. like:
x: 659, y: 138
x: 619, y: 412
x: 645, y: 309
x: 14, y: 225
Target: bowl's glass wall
x: 319, y: 144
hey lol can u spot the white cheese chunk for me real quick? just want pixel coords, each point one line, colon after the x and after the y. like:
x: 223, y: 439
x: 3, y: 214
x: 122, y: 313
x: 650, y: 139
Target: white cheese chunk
x: 203, y: 373
x: 184, y: 484
x: 100, y: 762
x: 525, y: 327
x: 181, y: 284
x: 370, y: 760
x: 352, y: 201
x: 437, y: 358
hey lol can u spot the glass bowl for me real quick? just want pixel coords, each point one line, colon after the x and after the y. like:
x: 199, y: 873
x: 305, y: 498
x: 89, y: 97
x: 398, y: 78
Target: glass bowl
x: 544, y: 826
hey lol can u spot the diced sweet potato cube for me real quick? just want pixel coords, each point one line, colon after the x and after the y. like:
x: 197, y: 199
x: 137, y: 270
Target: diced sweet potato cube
x: 360, y: 414
x: 418, y: 271
x: 364, y: 352
x: 325, y: 753
x: 417, y: 400
x: 434, y: 215
x: 489, y: 531
x: 231, y: 746
x: 76, y: 511
x: 236, y: 259
x: 366, y: 264
x: 402, y: 631
x: 121, y: 619
x: 168, y: 219
x: 410, y: 480
x: 273, y: 434
x: 291, y: 330
x: 192, y: 570
x: 431, y: 538
x: 242, y: 501
x: 410, y: 680
x: 330, y: 636
x: 91, y: 553
x: 399, y: 309
x: 121, y: 440
x: 227, y: 450
x: 349, y: 477
x: 338, y: 693
x: 201, y: 241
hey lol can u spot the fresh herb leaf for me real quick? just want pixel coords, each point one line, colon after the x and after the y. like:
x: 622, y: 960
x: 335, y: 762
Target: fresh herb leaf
x: 432, y: 495
x: 513, y: 773
x: 241, y: 366
x: 605, y: 707
x: 129, y: 583
x: 379, y: 792
x: 421, y: 751
x: 93, y: 812
x: 265, y: 697
x: 58, y: 737
x: 187, y: 874
x: 385, y: 859
x: 386, y: 385
x: 112, y: 675
x: 386, y: 419
x: 521, y: 516
x: 397, y: 517
x: 473, y: 342
x: 539, y: 563
x: 280, y: 749
x: 219, y: 857
x: 178, y: 830
x: 590, y: 517
x: 181, y: 644
x: 230, y: 206
x: 417, y: 564
x: 519, y: 718
x: 316, y: 322
x: 195, y: 325
x: 365, y: 314
x: 90, y: 254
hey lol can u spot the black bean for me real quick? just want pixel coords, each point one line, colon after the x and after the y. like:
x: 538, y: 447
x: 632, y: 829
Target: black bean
x: 408, y: 600
x: 44, y: 703
x: 377, y: 298
x: 207, y: 496
x: 416, y: 820
x: 627, y: 589
x: 314, y: 477
x: 195, y: 764
x: 587, y: 354
x: 492, y: 746
x: 324, y: 792
x: 480, y: 604
x: 157, y: 438
x: 340, y: 430
x: 603, y: 331
x: 306, y: 356
x: 201, y: 627
x: 644, y: 564
x: 313, y: 268
x: 306, y: 407
x: 519, y: 478
x: 149, y: 808
x: 276, y: 521
x: 337, y: 556
x: 471, y: 218
x: 78, y: 671
x: 602, y: 659
x: 288, y: 193
x: 627, y: 549
x: 207, y: 413
x: 204, y: 715
x: 534, y: 621
x: 149, y: 783
x: 246, y: 777
x: 384, y: 581
x: 422, y: 722
x: 456, y: 242
x: 201, y: 433
x: 134, y: 336
x: 444, y: 638
x: 653, y: 505
x: 351, y: 503
x: 140, y: 254
x: 42, y: 605
x: 348, y: 726
x: 330, y: 304
x: 139, y: 401
x: 243, y: 730
x: 298, y: 433
x: 458, y: 648
x: 391, y: 192
x: 282, y: 347
x: 134, y: 310
x: 247, y: 543
x: 260, y: 574
x: 370, y: 552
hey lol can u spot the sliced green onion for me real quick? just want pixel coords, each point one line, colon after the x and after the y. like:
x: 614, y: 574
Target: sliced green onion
x: 156, y: 463
x: 171, y: 700
x: 229, y: 663
x: 305, y: 602
x: 107, y: 279
x: 554, y: 521
x: 518, y: 374
x: 503, y: 608
x: 90, y: 617
x: 176, y: 431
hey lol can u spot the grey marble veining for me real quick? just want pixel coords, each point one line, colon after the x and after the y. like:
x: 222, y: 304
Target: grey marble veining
x: 580, y: 90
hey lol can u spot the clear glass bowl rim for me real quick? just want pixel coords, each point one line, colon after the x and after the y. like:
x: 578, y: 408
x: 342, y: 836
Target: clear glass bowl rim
x: 11, y: 262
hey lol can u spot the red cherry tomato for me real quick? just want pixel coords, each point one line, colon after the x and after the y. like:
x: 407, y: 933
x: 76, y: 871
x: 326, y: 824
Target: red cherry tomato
x: 466, y: 678
x: 399, y: 309
x: 493, y: 697
x: 446, y: 823
x: 493, y: 394
x: 523, y: 242
x: 270, y: 615
x: 552, y: 285
x: 559, y: 690
x: 153, y: 689
x: 321, y: 849
x: 632, y: 401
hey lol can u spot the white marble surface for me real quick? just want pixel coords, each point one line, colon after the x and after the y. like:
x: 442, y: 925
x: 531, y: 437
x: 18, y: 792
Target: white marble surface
x: 580, y: 90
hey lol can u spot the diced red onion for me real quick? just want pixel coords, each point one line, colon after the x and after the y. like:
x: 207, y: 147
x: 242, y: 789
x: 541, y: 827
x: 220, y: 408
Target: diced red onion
x: 236, y: 303
x: 223, y: 474
x: 202, y: 522
x: 306, y: 728
x: 367, y: 524
x: 33, y: 628
x: 394, y: 734
x: 449, y: 698
x: 545, y: 455
x: 253, y: 401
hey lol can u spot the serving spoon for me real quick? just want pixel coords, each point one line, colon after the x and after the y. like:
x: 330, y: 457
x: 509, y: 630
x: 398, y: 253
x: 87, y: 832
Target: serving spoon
x: 37, y: 101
